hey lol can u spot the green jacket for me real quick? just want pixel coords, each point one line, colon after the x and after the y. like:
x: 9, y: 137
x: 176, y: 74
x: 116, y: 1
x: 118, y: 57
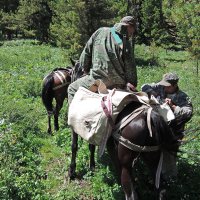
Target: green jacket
x: 184, y: 108
x: 103, y: 57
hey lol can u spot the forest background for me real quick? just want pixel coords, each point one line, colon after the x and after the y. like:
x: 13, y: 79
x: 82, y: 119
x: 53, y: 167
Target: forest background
x: 37, y: 36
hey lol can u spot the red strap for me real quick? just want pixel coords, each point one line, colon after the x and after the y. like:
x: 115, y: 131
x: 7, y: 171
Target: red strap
x: 106, y: 111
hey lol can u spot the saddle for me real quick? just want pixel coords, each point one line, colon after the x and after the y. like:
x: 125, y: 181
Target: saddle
x: 86, y: 115
x: 92, y: 115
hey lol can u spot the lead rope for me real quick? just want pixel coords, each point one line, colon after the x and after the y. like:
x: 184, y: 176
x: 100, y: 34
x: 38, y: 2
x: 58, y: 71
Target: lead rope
x: 110, y: 123
x: 158, y: 172
x: 149, y: 120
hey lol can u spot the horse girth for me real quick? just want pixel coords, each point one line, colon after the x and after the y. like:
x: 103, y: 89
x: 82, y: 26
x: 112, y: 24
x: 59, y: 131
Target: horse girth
x: 132, y: 146
x: 128, y: 119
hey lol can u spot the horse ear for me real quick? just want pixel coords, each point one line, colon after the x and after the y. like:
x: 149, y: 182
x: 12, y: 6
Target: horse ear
x: 72, y: 61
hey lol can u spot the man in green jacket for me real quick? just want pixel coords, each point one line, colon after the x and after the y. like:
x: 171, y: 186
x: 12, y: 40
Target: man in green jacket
x: 167, y: 91
x: 108, y: 56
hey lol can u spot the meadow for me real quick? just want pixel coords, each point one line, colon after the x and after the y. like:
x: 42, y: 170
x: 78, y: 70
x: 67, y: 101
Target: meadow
x: 34, y: 164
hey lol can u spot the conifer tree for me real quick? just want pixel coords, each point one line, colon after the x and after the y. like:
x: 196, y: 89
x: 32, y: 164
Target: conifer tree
x: 96, y: 13
x: 34, y: 18
x: 8, y: 20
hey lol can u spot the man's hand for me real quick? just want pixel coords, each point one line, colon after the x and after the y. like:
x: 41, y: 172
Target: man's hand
x: 170, y: 103
x: 130, y: 87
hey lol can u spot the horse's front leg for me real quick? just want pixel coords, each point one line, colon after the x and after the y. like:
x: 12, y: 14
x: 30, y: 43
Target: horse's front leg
x: 92, y: 159
x: 74, y: 148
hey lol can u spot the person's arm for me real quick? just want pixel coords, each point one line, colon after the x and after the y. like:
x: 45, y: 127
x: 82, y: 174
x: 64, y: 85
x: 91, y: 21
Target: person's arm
x: 130, y: 66
x: 183, y: 108
x: 86, y: 55
x: 152, y: 89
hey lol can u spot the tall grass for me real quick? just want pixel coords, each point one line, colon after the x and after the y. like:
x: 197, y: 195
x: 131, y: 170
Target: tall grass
x: 34, y: 165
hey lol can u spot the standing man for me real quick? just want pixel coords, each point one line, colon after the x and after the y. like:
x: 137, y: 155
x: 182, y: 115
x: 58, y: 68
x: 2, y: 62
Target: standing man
x: 167, y: 91
x: 108, y: 56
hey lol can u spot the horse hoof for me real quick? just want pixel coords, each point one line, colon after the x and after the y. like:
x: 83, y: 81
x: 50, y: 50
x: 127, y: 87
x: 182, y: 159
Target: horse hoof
x: 49, y: 131
x: 56, y: 128
x: 162, y: 194
x: 71, y: 173
x: 92, y: 168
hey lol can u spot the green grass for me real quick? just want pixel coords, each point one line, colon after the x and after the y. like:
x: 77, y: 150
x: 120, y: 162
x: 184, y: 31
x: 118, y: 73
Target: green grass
x: 34, y: 165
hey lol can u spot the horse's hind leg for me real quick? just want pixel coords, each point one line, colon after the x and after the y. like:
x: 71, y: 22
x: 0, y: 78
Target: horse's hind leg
x: 127, y: 183
x: 92, y: 160
x: 126, y: 158
x: 59, y: 105
x: 50, y: 112
x: 56, y: 114
x: 152, y: 160
x: 49, y: 124
x: 74, y: 147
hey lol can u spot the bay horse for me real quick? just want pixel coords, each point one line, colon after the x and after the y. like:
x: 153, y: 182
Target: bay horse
x: 135, y: 140
x: 55, y: 86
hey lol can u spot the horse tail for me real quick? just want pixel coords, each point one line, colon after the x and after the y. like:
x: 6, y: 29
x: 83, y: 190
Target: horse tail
x: 47, y: 92
x: 162, y: 132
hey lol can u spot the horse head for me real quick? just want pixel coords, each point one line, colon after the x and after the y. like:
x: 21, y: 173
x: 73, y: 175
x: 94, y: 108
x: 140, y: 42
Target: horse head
x: 77, y: 71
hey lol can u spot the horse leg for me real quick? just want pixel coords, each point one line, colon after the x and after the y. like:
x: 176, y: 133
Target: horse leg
x: 74, y: 147
x: 59, y: 105
x: 126, y: 158
x: 92, y: 160
x: 112, y: 151
x: 127, y: 183
x: 49, y: 108
x: 49, y: 130
x: 56, y: 114
x: 152, y: 161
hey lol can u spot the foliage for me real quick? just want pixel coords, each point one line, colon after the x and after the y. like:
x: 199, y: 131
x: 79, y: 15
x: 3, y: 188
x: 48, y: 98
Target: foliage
x: 34, y: 164
x: 69, y: 24
x: 21, y: 178
x: 64, y: 30
x: 96, y: 13
x: 34, y: 19
x: 186, y: 17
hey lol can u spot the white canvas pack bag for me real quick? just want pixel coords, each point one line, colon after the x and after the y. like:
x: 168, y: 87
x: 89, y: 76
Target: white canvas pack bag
x: 163, y: 109
x: 86, y: 117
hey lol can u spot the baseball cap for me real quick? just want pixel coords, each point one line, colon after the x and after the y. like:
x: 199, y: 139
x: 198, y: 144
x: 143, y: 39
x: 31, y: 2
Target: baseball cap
x: 128, y: 20
x: 169, y: 79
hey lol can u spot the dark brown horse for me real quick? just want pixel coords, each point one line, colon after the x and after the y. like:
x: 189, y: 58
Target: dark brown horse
x: 55, y: 87
x: 135, y: 140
